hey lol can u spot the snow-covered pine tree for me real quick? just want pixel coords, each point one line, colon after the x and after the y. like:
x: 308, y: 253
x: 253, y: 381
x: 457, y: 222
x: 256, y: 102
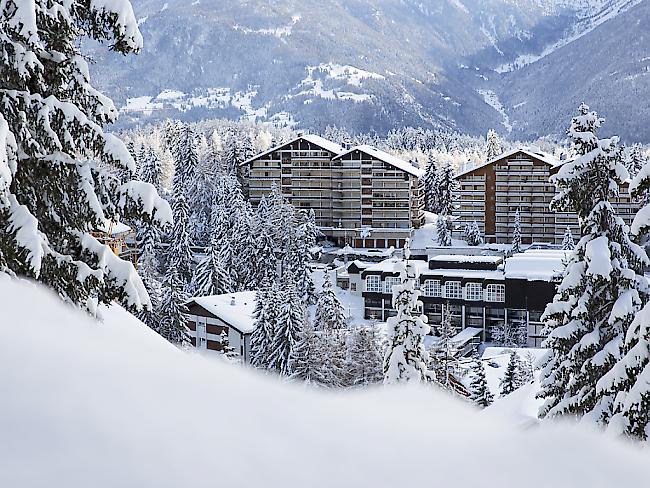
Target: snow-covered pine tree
x: 330, y: 314
x: 447, y: 188
x: 210, y: 276
x: 59, y: 172
x: 290, y: 321
x: 431, y: 185
x: 509, y: 381
x: 150, y: 169
x: 366, y: 356
x: 306, y: 356
x: 226, y: 349
x: 406, y: 358
x: 525, y: 373
x: 481, y: 394
x: 173, y: 323
x: 493, y: 145
x: 443, y: 230
x: 516, y: 234
x: 179, y: 252
x: 473, y: 234
x: 148, y: 271
x: 265, y: 315
x: 635, y: 160
x: 302, y: 242
x: 629, y: 380
x: 568, y: 244
x: 602, y: 288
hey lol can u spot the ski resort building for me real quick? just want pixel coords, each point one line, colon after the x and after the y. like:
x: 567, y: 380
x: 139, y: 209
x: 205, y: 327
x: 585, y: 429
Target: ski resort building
x: 361, y: 197
x: 491, y: 194
x: 479, y: 292
x: 208, y: 317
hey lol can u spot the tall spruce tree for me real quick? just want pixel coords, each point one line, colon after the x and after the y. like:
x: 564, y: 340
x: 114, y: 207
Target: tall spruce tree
x: 602, y: 289
x: 265, y: 315
x: 447, y: 189
x: 173, y: 323
x: 61, y: 176
x: 330, y: 314
x: 443, y: 230
x: 431, y: 185
x: 629, y: 379
x: 481, y: 394
x: 406, y: 358
x: 516, y: 234
x: 289, y: 324
x: 366, y: 356
x: 210, y: 276
x: 493, y: 145
x: 443, y: 352
x: 306, y: 356
x: 509, y: 381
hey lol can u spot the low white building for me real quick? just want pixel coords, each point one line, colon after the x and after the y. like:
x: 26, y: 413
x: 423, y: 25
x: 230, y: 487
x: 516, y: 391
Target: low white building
x: 209, y: 316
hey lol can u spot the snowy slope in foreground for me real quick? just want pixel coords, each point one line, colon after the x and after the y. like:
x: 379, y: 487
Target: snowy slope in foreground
x: 111, y: 405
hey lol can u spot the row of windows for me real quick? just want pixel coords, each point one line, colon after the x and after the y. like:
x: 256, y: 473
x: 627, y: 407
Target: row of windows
x: 451, y: 289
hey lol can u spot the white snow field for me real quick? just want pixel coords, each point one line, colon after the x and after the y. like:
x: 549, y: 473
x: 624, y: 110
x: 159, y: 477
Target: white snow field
x: 111, y: 405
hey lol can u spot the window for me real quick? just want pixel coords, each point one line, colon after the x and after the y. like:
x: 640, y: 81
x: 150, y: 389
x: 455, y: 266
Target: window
x: 373, y: 283
x: 432, y: 288
x: 496, y: 293
x: 473, y: 291
x: 389, y: 283
x: 453, y: 289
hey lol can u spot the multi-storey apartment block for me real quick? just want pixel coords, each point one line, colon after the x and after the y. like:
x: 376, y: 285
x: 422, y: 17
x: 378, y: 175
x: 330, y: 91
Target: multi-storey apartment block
x: 479, y: 292
x: 361, y: 196
x: 519, y: 180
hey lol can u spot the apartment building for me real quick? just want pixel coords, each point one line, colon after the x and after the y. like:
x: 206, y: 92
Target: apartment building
x: 490, y: 194
x: 362, y: 197
x: 478, y: 292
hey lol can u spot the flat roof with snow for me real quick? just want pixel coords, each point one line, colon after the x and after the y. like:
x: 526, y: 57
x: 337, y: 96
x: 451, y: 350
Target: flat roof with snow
x: 536, y: 265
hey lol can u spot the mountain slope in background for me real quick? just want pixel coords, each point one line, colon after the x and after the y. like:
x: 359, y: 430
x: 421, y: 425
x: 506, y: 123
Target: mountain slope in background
x: 367, y: 65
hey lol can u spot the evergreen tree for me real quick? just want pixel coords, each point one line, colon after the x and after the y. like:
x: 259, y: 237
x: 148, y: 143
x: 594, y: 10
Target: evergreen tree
x: 509, y: 381
x: 265, y: 315
x: 226, y: 349
x: 406, y: 359
x: 210, y: 276
x: 493, y: 146
x: 516, y: 235
x: 447, y: 188
x: 61, y: 176
x: 289, y: 324
x: 635, y: 160
x: 306, y: 356
x: 443, y: 230
x: 431, y: 185
x: 366, y: 356
x: 481, y: 394
x: 185, y: 159
x: 473, y: 234
x: 568, y: 244
x: 148, y: 271
x: 330, y: 314
x: 628, y: 381
x: 602, y: 289
x: 150, y: 169
x: 173, y: 323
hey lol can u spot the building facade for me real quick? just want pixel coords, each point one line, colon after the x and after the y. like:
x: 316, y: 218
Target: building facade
x: 210, y: 316
x: 519, y: 180
x: 361, y: 197
x: 473, y: 291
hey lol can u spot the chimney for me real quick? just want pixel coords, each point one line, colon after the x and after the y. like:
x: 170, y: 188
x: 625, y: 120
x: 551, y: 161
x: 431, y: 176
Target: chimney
x: 232, y: 301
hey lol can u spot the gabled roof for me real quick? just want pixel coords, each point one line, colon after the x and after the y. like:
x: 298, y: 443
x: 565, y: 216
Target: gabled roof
x: 386, y: 158
x: 311, y: 138
x: 530, y: 151
x: 239, y: 315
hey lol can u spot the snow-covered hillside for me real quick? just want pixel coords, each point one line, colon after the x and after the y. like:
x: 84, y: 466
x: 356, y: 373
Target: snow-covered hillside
x: 112, y: 405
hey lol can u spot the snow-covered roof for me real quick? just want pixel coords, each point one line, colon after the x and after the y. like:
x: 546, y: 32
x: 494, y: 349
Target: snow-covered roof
x: 388, y: 266
x: 465, y: 258
x: 348, y: 250
x: 386, y: 158
x: 238, y: 315
x: 115, y: 228
x: 466, y: 335
x: 311, y: 138
x: 477, y: 274
x: 533, y: 152
x: 536, y: 265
